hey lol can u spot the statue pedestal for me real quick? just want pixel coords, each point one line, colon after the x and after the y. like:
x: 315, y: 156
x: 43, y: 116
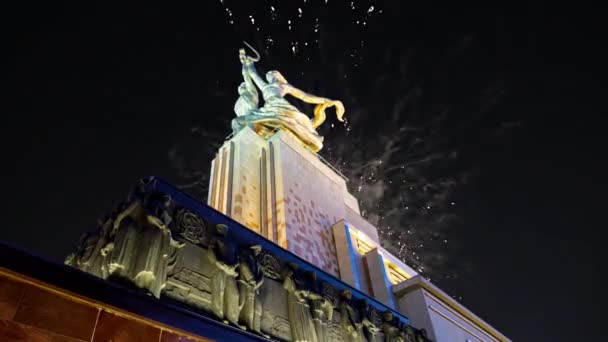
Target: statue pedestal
x: 284, y: 192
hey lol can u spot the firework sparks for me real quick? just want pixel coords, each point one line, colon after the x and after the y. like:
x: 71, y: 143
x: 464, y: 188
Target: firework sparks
x: 400, y: 193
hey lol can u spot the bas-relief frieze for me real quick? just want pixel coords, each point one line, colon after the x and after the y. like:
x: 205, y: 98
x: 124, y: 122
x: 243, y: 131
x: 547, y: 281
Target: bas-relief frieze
x: 173, y: 252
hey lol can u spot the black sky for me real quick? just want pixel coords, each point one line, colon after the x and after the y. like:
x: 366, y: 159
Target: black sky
x: 102, y: 93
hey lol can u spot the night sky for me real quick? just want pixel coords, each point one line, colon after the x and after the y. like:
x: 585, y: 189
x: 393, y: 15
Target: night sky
x: 474, y: 140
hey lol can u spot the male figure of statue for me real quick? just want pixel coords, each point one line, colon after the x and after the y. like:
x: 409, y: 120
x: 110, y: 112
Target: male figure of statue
x: 248, y: 100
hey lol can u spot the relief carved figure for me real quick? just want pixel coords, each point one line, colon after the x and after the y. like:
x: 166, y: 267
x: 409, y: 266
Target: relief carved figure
x: 350, y: 319
x: 371, y: 320
x: 390, y: 329
x: 251, y: 278
x: 408, y: 333
x: 300, y: 317
x: 421, y: 336
x: 322, y: 308
x: 223, y: 255
x: 142, y: 251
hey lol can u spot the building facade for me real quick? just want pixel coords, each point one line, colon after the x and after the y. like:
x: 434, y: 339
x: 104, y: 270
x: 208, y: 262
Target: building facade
x: 280, y: 252
x: 282, y: 190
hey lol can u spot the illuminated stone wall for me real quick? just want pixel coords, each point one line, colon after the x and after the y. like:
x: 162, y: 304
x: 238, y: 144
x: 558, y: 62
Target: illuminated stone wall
x: 443, y: 318
x: 284, y: 192
x: 313, y: 200
x: 236, y: 180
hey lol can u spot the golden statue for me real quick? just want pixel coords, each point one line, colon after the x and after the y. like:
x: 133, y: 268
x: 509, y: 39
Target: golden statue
x: 277, y: 112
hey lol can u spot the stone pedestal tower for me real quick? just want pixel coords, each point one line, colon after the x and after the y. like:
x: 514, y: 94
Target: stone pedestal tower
x: 269, y: 177
x: 284, y: 192
x: 287, y: 193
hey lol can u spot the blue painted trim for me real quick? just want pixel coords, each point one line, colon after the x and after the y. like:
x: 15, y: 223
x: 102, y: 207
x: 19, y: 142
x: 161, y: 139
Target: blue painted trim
x: 353, y: 257
x: 387, y: 282
x: 247, y: 237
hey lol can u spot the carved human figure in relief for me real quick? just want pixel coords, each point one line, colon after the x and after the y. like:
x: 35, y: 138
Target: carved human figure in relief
x: 371, y: 320
x: 277, y: 112
x: 89, y: 257
x: 142, y: 250
x: 350, y: 319
x: 322, y: 299
x: 250, y: 280
x: 298, y: 310
x: 390, y: 328
x: 408, y: 333
x: 421, y: 336
x: 223, y: 255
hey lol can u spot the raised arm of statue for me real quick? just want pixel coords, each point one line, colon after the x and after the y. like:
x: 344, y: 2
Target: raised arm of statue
x: 248, y: 81
x: 249, y: 70
x: 253, y: 73
x: 248, y: 66
x: 245, y: 60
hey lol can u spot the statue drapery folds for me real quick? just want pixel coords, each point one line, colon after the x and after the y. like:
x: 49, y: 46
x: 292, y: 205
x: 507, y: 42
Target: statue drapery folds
x: 277, y: 112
